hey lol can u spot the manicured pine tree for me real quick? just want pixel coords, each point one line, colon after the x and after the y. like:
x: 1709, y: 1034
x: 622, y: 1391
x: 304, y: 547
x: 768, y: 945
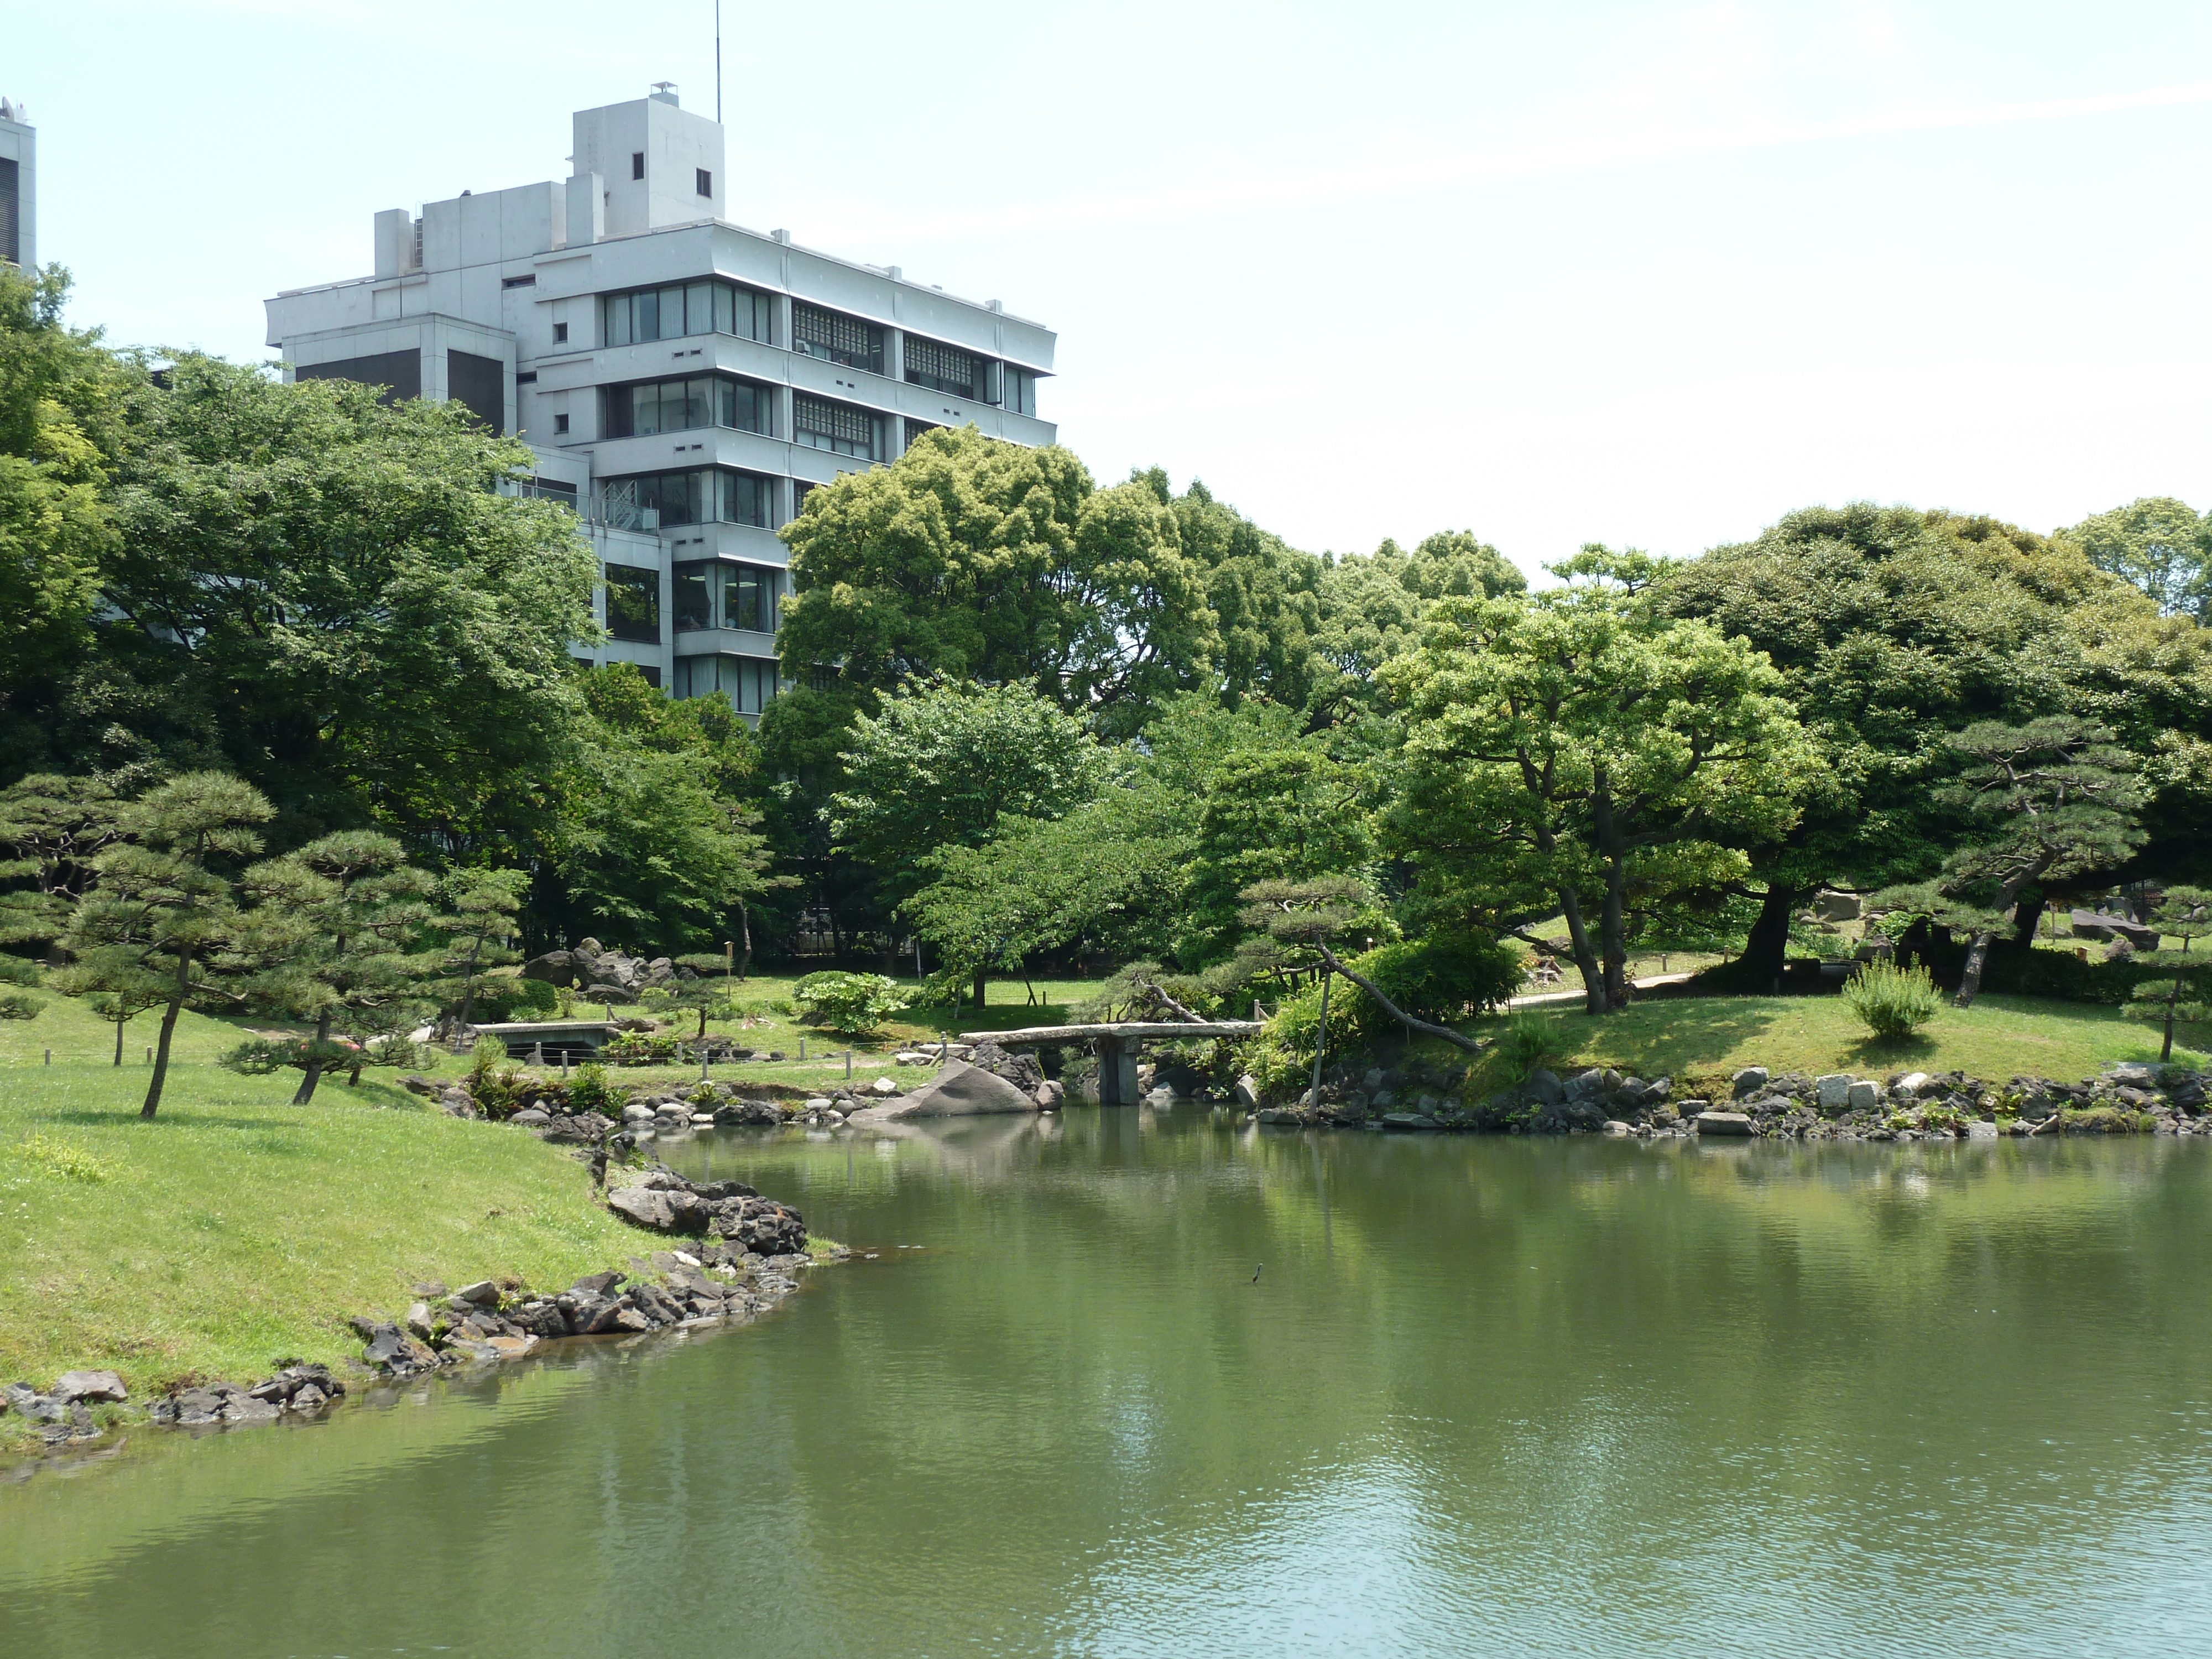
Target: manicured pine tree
x: 164, y: 908
x: 2059, y: 798
x: 2185, y: 914
x: 357, y: 907
x: 477, y: 921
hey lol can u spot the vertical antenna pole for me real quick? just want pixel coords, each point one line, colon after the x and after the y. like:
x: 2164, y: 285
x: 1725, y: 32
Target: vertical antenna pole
x: 718, y: 63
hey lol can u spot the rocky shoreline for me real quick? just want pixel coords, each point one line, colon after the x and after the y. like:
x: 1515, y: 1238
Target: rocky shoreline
x: 2127, y: 1099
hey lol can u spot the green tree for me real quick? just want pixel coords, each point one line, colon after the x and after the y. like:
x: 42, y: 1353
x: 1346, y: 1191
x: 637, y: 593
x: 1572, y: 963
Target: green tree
x: 974, y: 559
x: 164, y: 904
x: 348, y: 908
x: 475, y: 919
x: 52, y: 828
x: 2053, y: 799
x: 1894, y: 629
x: 368, y: 628
x: 2185, y: 914
x: 1291, y: 813
x: 60, y: 394
x: 944, y: 763
x: 2157, y: 544
x: 1263, y: 595
x: 1579, y: 750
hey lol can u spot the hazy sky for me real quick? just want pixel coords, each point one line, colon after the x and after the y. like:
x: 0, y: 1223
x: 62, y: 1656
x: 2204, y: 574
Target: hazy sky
x: 1643, y: 273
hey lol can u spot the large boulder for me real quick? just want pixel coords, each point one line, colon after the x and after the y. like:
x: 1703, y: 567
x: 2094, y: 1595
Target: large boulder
x: 1021, y: 1070
x: 962, y: 1090
x: 89, y: 1385
x: 555, y: 968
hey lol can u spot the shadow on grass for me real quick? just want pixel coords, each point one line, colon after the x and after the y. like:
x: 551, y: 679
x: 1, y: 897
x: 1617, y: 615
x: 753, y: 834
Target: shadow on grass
x: 1874, y: 1052
x: 1669, y: 1036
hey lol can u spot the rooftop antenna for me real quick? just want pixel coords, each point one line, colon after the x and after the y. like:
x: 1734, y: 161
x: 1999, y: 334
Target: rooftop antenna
x: 718, y: 63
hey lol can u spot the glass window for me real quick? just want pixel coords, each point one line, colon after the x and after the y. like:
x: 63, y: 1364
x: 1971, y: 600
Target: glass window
x: 841, y: 339
x: 699, y: 308
x: 943, y: 367
x: 915, y: 429
x: 1021, y: 391
x: 826, y: 425
x: 633, y: 604
x: 749, y: 598
x: 692, y: 586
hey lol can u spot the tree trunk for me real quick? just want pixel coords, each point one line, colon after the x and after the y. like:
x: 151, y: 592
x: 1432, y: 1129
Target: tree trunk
x: 1320, y: 1040
x: 314, y: 1072
x: 1571, y: 907
x: 118, y: 1041
x: 983, y: 976
x: 2172, y: 997
x: 1614, y: 924
x: 1978, y: 957
x: 2025, y: 914
x: 1766, y: 947
x: 745, y: 934
x: 469, y: 989
x: 168, y: 1027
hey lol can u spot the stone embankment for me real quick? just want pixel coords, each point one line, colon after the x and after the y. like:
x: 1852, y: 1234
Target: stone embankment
x: 2131, y: 1099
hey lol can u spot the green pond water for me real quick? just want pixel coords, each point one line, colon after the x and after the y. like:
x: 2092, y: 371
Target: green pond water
x: 1488, y: 1396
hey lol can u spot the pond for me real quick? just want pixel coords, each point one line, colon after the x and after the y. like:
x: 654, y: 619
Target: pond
x: 1563, y: 1396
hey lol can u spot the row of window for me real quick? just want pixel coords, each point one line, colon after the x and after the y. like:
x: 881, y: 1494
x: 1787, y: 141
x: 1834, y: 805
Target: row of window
x: 714, y: 306
x: 699, y: 494
x: 750, y: 682
x: 686, y: 308
x: 707, y: 593
x: 702, y: 400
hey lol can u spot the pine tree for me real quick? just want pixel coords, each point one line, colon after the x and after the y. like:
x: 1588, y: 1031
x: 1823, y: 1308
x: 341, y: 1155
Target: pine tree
x: 164, y: 909
x: 357, y: 906
x: 2185, y: 914
x: 478, y: 919
x: 2060, y: 800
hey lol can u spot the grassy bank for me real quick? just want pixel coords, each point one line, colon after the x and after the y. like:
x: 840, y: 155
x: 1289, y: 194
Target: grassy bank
x: 1701, y: 1042
x: 237, y: 1230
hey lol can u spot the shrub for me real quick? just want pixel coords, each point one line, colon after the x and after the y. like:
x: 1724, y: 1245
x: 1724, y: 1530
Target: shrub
x: 640, y: 1048
x: 589, y: 1090
x: 1890, y: 1001
x: 850, y: 1004
x: 58, y: 1157
x: 18, y: 1005
x: 502, y: 1001
x: 1527, y: 1043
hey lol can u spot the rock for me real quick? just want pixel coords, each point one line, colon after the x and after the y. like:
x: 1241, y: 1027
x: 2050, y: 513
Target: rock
x: 1409, y: 1121
x: 628, y: 1319
x: 884, y: 1087
x: 245, y: 1408
x: 1545, y: 1088
x: 484, y: 1293
x: 643, y: 1207
x: 1832, y: 1091
x: 1980, y: 1129
x: 26, y: 1401
x: 1721, y: 1123
x: 1050, y: 1097
x: 511, y: 1347
x: 424, y: 1324
x: 597, y: 1284
x: 1748, y: 1081
x: 195, y: 1408
x: 1381, y: 1099
x: 2089, y: 924
x: 430, y: 1288
x: 637, y: 1113
x: 90, y: 1385
x: 962, y: 1090
x: 1860, y: 1096
x: 392, y: 1350
x: 310, y: 1397
x: 1613, y: 1126
x: 531, y: 1117
x: 702, y: 1120
x: 1246, y: 1091
x: 2131, y: 1076
x: 1836, y: 907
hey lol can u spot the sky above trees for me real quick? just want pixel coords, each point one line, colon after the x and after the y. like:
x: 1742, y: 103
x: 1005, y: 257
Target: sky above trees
x: 1649, y: 274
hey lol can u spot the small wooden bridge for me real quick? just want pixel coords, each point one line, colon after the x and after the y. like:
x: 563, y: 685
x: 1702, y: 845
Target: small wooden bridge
x: 1115, y: 1044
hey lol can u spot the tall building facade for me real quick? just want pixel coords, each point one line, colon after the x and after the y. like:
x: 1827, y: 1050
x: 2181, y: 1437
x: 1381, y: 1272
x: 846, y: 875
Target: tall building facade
x: 19, y: 186
x: 682, y: 381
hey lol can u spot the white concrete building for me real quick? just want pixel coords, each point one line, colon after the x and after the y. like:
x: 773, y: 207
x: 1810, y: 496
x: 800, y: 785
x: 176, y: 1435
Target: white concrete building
x: 683, y: 381
x: 19, y: 186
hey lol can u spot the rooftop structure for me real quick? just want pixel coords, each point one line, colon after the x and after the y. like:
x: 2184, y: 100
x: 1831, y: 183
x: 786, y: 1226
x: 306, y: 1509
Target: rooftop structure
x: 683, y: 381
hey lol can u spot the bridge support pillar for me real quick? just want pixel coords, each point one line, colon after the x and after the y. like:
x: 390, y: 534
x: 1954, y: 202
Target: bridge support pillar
x: 1117, y: 1072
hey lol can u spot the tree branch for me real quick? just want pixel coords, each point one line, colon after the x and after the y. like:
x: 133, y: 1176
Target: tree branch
x: 1392, y: 1009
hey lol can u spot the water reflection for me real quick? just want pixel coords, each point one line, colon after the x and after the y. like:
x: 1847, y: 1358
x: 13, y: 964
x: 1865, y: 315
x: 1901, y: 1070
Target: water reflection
x: 1489, y: 1395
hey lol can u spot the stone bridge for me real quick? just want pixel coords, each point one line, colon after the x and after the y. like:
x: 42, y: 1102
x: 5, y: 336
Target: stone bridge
x: 1115, y: 1043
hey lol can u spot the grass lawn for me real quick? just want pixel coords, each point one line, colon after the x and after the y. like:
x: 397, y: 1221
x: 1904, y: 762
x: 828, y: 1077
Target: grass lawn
x: 237, y: 1230
x: 1701, y: 1041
